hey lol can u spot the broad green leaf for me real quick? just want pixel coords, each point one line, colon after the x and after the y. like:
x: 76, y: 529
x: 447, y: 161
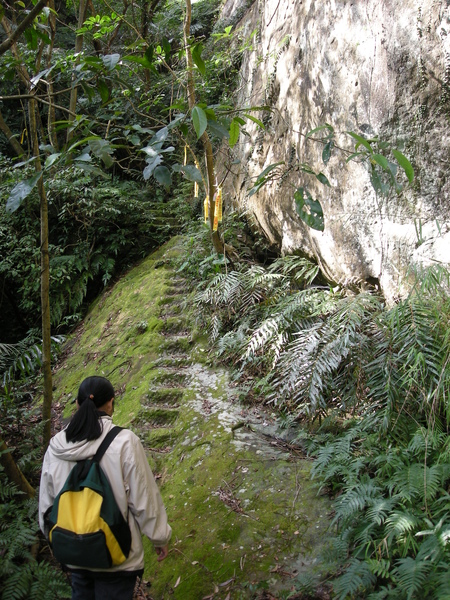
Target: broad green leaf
x: 103, y: 90
x: 189, y: 171
x: 255, y: 120
x: 167, y: 48
x: 110, y: 60
x: 234, y: 132
x: 376, y: 182
x: 31, y: 37
x: 380, y: 160
x: 323, y: 179
x: 218, y: 130
x: 197, y: 58
x: 239, y: 120
x: 140, y: 60
x: 320, y: 128
x: 151, y: 166
x: 268, y: 169
x: 360, y: 141
x: 90, y: 169
x: 150, y: 151
x: 210, y: 114
x: 199, y: 120
x: 405, y: 164
x: 50, y: 160
x: 306, y: 168
x: 309, y: 210
x: 103, y: 150
x: 163, y: 176
x: 326, y: 152
x: 354, y: 155
x: 160, y: 136
x: 148, y: 54
x: 20, y: 192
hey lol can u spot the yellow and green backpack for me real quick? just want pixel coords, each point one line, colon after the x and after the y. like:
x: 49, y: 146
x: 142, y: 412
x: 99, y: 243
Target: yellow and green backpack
x: 87, y: 529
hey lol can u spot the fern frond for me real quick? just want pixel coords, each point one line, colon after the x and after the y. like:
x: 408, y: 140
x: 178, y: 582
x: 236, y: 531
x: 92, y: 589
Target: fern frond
x: 411, y: 575
x: 356, y: 579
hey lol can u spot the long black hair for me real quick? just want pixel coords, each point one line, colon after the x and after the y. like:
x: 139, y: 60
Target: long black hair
x: 85, y: 424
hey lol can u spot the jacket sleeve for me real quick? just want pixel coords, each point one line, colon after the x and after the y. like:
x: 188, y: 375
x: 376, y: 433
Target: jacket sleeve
x: 46, y: 494
x: 144, y: 498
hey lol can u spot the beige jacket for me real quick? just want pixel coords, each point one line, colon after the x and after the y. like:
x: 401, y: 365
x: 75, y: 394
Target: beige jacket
x: 131, y: 479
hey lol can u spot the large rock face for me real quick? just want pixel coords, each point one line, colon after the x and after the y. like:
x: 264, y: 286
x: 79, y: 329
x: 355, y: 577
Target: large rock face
x: 374, y: 68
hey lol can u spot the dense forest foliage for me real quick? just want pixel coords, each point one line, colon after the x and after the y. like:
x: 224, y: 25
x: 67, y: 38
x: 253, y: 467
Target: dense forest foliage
x: 114, y: 117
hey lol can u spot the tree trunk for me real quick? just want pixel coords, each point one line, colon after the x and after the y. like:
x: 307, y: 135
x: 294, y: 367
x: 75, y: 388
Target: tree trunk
x: 78, y: 49
x: 51, y: 106
x: 11, y: 138
x: 13, y: 473
x: 209, y: 156
x: 45, y: 283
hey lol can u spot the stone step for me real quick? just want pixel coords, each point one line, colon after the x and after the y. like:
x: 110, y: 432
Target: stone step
x: 176, y: 361
x: 176, y: 344
x: 174, y: 325
x: 156, y: 417
x: 166, y: 396
x: 160, y: 438
x: 169, y: 378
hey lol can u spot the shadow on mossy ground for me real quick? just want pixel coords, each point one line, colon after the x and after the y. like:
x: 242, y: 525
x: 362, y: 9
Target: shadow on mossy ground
x: 245, y: 515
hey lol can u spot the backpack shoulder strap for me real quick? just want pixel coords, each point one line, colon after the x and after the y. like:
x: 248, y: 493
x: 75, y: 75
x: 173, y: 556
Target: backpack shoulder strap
x: 105, y: 444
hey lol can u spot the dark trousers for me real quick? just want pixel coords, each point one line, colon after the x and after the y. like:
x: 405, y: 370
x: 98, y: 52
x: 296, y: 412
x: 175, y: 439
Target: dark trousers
x: 89, y: 586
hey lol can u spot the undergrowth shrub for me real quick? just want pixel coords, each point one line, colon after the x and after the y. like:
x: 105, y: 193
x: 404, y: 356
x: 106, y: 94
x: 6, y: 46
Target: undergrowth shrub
x: 97, y: 229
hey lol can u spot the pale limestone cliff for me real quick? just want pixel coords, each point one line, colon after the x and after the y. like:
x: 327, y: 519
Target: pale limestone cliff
x: 370, y: 66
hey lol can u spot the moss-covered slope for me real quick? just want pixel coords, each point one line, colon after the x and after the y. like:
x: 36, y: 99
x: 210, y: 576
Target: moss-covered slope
x: 245, y: 516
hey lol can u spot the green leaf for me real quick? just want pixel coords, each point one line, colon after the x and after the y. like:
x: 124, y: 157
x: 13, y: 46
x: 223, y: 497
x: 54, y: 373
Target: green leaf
x: 163, y: 176
x: 103, y: 90
x: 102, y: 149
x: 50, y: 160
x: 326, y: 152
x: 255, y: 120
x: 167, y: 48
x: 361, y: 141
x: 189, y: 171
x: 309, y: 210
x: 200, y: 121
x: 197, y: 58
x: 20, y: 192
x: 323, y: 179
x: 405, y: 164
x: 380, y: 160
x: 152, y: 164
x: 140, y: 60
x: 268, y: 169
x: 110, y: 60
x: 234, y: 132
x: 148, y: 54
x: 376, y: 182
x: 217, y: 129
x: 320, y: 128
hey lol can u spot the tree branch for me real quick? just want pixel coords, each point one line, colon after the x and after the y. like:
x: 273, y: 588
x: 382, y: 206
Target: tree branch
x: 6, y: 45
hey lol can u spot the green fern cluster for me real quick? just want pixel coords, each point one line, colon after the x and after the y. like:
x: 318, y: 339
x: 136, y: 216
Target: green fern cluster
x: 316, y: 352
x: 22, y: 577
x: 391, y: 509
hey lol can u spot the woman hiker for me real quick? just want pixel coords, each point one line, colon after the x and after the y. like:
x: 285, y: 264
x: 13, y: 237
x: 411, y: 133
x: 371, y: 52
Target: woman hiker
x: 134, y: 489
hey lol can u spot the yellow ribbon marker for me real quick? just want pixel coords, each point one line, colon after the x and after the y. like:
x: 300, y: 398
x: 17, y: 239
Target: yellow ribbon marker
x: 206, y: 208
x: 217, y: 209
x: 219, y: 204
x: 185, y: 156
